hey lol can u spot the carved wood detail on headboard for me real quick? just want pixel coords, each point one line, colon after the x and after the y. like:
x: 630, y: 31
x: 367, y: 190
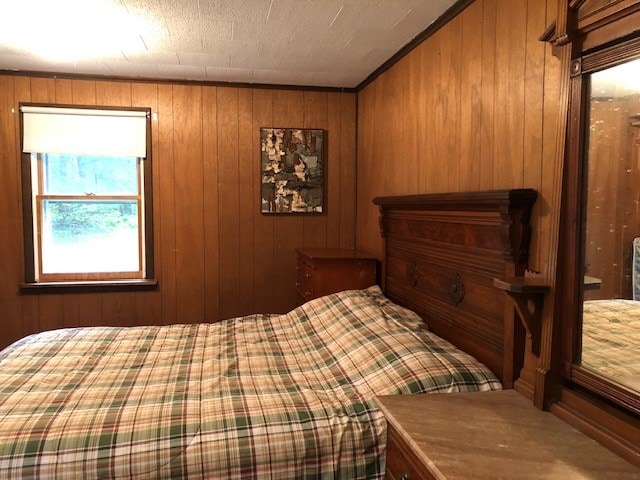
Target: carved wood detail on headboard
x: 442, y: 252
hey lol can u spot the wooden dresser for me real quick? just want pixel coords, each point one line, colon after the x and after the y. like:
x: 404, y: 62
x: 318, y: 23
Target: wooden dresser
x: 322, y: 271
x: 489, y: 435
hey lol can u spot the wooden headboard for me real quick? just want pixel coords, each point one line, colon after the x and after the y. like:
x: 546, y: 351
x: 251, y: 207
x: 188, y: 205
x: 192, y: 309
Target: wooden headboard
x: 442, y: 252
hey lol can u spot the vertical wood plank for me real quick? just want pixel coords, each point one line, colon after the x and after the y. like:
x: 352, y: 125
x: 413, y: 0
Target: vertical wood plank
x: 164, y: 160
x: 43, y: 90
x: 10, y: 238
x: 502, y: 168
x: 411, y: 122
x: 333, y: 163
x: 552, y: 83
x: 393, y: 175
x: 64, y: 91
x: 246, y: 165
x: 533, y: 111
x: 263, y: 233
x: 436, y: 170
x: 366, y: 114
x: 511, y: 22
x: 187, y: 104
x: 517, y: 53
x: 348, y: 170
x: 229, y: 211
x: 83, y: 92
x: 211, y: 204
x: 470, y: 98
x: 424, y: 116
x: 487, y: 145
x: 113, y: 94
x: 370, y: 172
x: 449, y: 99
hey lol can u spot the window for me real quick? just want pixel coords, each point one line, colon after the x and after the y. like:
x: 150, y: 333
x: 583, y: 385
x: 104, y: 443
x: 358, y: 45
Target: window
x: 86, y: 195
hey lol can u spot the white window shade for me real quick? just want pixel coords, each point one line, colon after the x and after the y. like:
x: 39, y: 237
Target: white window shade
x: 79, y: 131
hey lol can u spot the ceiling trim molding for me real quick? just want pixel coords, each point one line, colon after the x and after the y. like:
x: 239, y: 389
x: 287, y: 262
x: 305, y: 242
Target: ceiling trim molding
x: 204, y: 83
x: 447, y: 16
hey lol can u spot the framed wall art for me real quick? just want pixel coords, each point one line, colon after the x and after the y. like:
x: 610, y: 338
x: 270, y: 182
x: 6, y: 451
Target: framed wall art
x: 293, y: 170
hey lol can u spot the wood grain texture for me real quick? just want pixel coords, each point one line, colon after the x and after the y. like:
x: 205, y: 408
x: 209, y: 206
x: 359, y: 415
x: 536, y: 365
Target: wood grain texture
x: 10, y: 217
x: 524, y: 443
x: 164, y: 164
x: 533, y: 108
x: 211, y: 202
x: 346, y: 197
x: 483, y: 91
x: 470, y: 100
x: 214, y: 258
x: 229, y: 201
x: 246, y: 205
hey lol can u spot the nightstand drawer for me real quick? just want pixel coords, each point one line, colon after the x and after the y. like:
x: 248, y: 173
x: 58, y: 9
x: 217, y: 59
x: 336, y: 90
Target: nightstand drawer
x: 401, y: 463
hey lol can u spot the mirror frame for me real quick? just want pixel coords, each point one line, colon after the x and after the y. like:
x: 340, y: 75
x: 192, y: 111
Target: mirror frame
x: 573, y: 236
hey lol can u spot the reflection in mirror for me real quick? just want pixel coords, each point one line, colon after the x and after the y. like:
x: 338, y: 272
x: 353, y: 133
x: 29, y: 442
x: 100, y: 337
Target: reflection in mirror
x: 611, y: 308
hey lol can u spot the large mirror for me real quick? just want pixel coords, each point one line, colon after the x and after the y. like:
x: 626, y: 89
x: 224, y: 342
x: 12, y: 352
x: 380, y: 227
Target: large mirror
x: 610, y: 333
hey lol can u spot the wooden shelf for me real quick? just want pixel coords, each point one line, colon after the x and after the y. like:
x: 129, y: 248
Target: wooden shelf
x: 528, y: 295
x: 592, y: 283
x: 523, y: 285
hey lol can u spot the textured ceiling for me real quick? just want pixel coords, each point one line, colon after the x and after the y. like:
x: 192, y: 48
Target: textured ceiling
x: 336, y: 43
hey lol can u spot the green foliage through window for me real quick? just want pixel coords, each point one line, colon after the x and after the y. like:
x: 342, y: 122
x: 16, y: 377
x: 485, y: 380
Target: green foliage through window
x: 72, y: 218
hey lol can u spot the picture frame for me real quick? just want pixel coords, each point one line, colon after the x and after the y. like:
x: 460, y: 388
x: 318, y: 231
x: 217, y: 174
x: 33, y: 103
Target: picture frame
x: 292, y: 162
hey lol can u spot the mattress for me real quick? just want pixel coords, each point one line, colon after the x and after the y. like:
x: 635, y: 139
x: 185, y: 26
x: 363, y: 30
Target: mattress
x: 263, y: 396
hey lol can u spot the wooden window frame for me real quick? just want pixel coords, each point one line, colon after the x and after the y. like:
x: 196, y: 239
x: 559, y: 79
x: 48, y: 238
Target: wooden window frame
x: 36, y: 282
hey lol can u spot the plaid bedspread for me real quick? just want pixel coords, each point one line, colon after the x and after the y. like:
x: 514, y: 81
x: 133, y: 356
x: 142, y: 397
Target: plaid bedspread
x: 282, y: 396
x: 610, y: 338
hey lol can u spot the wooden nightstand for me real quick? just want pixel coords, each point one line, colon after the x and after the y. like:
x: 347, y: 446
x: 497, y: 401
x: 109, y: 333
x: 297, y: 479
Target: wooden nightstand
x: 488, y: 435
x: 322, y: 271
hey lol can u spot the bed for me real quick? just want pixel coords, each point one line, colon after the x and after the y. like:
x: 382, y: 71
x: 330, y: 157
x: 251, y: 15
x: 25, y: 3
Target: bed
x: 278, y: 396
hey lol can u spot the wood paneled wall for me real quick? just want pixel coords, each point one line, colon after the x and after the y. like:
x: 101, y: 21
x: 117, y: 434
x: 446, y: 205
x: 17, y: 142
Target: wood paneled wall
x: 474, y: 107
x: 216, y: 256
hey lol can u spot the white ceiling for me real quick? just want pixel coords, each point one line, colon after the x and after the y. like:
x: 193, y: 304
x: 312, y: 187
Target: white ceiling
x: 336, y: 43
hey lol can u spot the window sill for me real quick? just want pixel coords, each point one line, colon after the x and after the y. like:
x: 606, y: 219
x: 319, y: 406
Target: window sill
x: 89, y: 286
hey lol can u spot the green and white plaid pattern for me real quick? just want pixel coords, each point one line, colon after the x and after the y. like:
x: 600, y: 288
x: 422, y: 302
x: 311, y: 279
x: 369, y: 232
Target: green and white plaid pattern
x: 281, y: 396
x: 610, y: 339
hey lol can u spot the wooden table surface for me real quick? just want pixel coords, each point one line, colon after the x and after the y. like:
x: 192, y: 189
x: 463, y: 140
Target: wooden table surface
x: 497, y: 435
